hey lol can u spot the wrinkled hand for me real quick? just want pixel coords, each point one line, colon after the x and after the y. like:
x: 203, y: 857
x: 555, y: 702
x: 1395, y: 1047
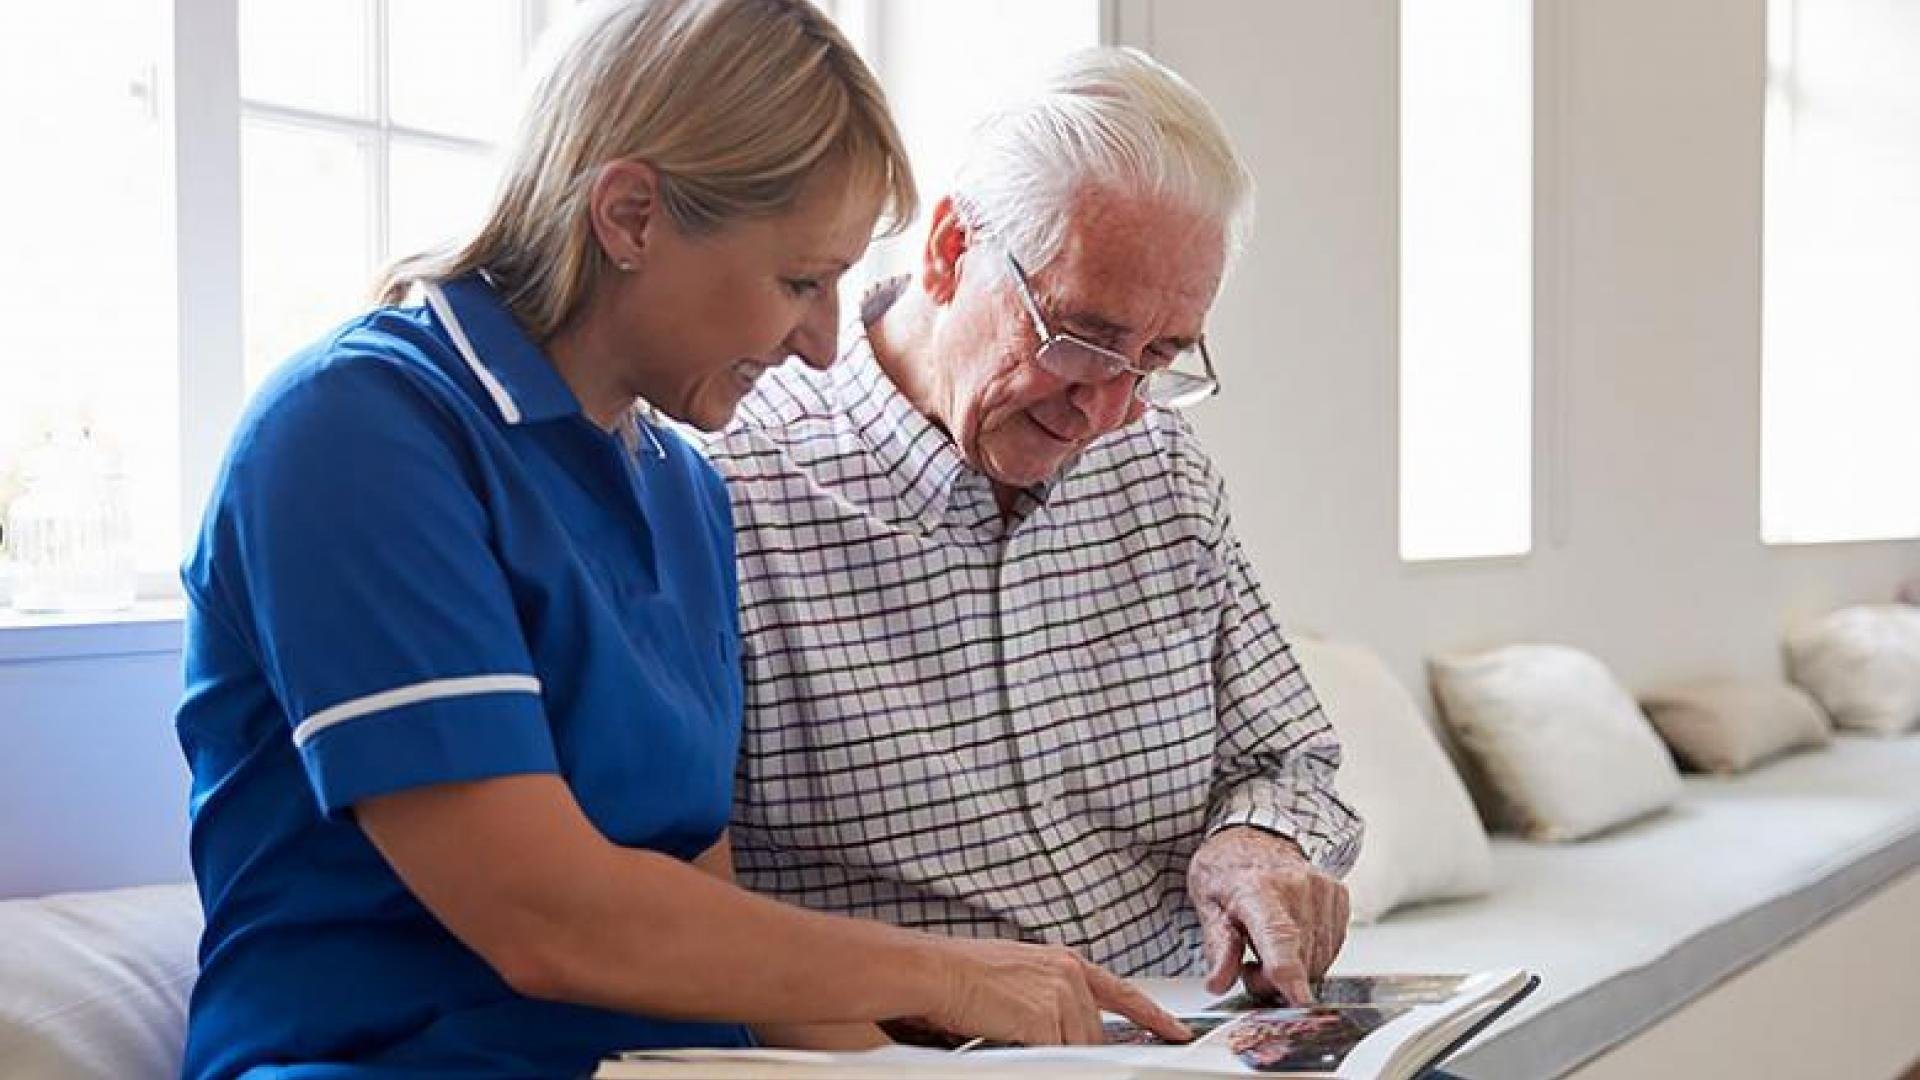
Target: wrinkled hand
x: 1037, y: 994
x: 1252, y: 887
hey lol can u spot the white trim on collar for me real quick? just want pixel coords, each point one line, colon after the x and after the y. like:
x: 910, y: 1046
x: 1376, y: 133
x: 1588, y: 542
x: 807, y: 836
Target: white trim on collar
x: 502, y: 400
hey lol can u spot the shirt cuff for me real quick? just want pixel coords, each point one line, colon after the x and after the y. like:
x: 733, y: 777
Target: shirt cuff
x: 1329, y: 837
x: 440, y: 741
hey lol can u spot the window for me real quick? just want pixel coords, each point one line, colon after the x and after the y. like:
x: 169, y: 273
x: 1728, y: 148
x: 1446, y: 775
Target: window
x: 88, y: 277
x: 1840, y: 414
x: 366, y: 130
x: 228, y: 175
x: 1466, y: 278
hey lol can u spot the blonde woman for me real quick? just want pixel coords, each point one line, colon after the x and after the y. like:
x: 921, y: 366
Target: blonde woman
x: 463, y: 693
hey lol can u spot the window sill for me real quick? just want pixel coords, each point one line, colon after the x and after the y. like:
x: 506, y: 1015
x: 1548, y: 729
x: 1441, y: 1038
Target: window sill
x: 148, y: 627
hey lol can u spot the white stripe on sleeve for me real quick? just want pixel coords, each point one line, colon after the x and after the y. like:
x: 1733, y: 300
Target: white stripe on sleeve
x: 412, y: 695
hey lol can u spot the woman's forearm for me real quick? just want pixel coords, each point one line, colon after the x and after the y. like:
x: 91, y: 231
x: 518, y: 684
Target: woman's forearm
x: 563, y: 914
x: 863, y: 1035
x: 654, y: 935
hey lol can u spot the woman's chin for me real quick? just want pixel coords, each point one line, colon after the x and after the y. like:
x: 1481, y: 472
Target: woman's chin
x: 711, y: 407
x: 712, y: 414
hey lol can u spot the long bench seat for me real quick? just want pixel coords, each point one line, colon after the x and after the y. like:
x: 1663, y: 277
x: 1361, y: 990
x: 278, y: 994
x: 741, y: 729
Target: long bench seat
x: 1626, y: 927
x: 1623, y: 928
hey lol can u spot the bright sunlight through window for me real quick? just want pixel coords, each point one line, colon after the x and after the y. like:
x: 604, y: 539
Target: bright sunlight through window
x: 89, y: 266
x: 366, y: 131
x: 1466, y: 278
x: 1840, y: 421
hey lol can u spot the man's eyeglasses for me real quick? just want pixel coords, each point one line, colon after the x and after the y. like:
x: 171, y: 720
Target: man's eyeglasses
x: 1172, y: 385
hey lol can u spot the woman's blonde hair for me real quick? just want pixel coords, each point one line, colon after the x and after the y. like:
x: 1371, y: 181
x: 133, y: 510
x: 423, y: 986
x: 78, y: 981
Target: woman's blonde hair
x: 735, y: 104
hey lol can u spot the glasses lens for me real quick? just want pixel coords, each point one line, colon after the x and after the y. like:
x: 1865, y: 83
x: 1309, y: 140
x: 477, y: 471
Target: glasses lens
x: 1076, y: 361
x: 1172, y: 389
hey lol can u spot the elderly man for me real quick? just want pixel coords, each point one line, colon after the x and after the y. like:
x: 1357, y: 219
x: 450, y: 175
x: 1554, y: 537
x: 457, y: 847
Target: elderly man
x: 1008, y: 671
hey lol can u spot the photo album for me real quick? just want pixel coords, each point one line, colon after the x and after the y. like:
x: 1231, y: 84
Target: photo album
x: 1358, y: 1026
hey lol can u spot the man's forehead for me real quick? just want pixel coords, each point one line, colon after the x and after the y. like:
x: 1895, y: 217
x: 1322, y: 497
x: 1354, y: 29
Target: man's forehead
x: 1104, y: 228
x: 1115, y: 270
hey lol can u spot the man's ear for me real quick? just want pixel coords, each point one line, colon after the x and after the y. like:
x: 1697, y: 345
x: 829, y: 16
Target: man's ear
x: 624, y: 206
x: 948, y: 239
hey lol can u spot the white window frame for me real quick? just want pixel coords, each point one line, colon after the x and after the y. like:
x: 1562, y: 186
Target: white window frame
x: 202, y: 100
x: 380, y: 133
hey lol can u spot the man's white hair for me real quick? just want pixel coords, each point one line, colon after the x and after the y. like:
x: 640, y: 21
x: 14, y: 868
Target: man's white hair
x: 1103, y: 119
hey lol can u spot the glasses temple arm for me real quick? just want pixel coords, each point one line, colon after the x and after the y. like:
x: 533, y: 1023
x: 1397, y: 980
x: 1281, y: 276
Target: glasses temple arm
x: 1026, y: 298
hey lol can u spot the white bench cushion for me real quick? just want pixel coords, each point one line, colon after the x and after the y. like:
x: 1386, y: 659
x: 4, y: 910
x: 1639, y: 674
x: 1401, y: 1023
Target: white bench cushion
x: 1863, y: 663
x: 95, y: 984
x: 1424, y: 841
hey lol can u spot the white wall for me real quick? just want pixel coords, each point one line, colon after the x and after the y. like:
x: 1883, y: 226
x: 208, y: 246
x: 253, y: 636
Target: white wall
x: 1647, y: 402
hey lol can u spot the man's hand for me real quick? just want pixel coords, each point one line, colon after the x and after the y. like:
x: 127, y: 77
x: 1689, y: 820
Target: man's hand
x: 1252, y: 887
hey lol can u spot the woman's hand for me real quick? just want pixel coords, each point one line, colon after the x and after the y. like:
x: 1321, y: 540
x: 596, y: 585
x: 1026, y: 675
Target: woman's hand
x: 1035, y: 994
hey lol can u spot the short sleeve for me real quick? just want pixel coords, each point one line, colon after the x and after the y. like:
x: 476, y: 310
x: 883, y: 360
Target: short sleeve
x: 351, y: 546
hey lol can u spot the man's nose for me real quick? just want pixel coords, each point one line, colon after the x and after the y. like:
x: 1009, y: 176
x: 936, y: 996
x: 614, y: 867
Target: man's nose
x: 1107, y: 404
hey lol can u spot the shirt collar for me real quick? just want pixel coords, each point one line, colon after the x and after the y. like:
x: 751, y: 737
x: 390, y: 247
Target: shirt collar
x: 514, y: 372
x: 918, y: 457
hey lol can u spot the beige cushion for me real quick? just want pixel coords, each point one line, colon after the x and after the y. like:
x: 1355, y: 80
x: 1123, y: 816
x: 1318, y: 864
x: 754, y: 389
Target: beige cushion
x: 1423, y: 840
x: 1863, y: 665
x: 1563, y: 747
x: 1732, y: 726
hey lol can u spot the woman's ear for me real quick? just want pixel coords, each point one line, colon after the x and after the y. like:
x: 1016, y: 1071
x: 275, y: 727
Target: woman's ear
x: 623, y: 206
x: 948, y: 239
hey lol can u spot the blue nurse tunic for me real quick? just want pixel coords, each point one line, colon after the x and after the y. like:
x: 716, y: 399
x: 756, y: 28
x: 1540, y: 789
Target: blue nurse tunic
x: 423, y: 564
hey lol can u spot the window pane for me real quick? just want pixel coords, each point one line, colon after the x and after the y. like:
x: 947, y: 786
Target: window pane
x: 1466, y: 278
x: 307, y: 252
x: 1841, y: 355
x: 307, y: 54
x: 913, y: 46
x: 89, y: 265
x: 438, y: 195
x: 452, y: 64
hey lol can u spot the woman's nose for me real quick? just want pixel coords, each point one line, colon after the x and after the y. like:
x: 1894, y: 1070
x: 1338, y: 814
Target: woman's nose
x: 816, y: 339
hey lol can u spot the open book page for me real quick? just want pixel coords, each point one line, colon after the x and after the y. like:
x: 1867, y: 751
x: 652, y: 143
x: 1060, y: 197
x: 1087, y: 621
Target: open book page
x: 1390, y: 1025
x: 1387, y: 1026
x: 1358, y: 1026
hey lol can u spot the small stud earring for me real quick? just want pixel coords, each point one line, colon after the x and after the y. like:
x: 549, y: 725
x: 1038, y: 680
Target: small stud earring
x: 625, y: 265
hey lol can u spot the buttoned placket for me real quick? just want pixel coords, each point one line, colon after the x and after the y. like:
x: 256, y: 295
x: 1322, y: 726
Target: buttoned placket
x: 1036, y: 759
x: 950, y: 502
x: 625, y: 455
